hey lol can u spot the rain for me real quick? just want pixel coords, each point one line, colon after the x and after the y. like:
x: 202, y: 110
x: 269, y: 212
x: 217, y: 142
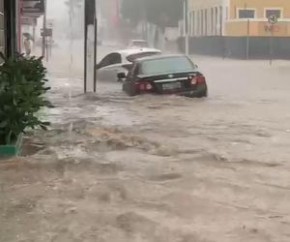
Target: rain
x: 148, y: 168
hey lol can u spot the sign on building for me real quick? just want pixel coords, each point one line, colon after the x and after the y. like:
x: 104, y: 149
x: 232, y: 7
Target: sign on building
x: 272, y: 19
x: 271, y: 26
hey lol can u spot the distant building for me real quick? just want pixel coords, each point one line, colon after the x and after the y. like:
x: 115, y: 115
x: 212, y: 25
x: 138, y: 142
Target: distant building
x: 238, y: 28
x: 238, y: 17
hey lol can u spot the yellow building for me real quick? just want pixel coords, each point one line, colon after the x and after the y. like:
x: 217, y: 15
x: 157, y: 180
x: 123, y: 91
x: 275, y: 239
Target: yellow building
x: 238, y: 17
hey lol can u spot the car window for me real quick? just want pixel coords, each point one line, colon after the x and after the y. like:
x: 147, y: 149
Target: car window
x: 111, y: 59
x: 166, y: 65
x: 115, y: 58
x: 132, y: 58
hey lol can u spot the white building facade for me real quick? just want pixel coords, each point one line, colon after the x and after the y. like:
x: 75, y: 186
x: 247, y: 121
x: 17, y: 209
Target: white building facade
x: 206, y: 18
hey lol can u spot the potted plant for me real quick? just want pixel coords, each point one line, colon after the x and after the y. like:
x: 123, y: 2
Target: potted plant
x: 22, y: 89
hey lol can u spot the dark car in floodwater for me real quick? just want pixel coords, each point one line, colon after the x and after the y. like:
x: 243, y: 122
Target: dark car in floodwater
x: 164, y: 74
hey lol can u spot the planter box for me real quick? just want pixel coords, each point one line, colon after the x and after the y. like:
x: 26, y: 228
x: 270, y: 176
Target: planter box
x: 12, y: 149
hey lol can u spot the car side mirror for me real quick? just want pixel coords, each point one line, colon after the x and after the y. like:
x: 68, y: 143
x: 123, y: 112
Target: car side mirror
x: 121, y: 75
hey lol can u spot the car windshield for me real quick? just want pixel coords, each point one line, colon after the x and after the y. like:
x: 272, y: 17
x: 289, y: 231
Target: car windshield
x: 134, y: 57
x: 166, y: 65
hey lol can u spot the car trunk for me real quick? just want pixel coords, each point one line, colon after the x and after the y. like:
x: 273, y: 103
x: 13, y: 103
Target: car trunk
x: 171, y: 83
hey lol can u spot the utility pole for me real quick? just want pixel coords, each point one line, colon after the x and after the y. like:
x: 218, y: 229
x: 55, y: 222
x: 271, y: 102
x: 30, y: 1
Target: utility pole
x: 271, y: 45
x: 44, y: 30
x: 272, y: 20
x: 90, y: 46
x: 185, y: 26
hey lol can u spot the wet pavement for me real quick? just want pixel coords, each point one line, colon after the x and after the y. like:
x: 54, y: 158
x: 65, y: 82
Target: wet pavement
x: 157, y: 168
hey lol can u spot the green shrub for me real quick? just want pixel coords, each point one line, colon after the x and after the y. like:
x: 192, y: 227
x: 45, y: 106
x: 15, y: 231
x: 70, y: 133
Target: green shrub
x: 22, y: 89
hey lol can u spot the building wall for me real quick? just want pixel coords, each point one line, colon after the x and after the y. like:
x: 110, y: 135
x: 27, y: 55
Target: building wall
x: 207, y: 17
x: 257, y: 26
x: 244, y: 35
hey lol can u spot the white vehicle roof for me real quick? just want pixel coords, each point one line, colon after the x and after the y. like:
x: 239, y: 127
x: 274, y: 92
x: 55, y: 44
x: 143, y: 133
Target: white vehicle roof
x: 128, y: 52
x: 138, y: 40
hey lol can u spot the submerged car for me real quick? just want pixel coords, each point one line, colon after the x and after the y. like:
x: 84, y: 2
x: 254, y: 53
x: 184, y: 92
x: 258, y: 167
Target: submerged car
x: 138, y: 43
x: 121, y: 61
x: 164, y: 74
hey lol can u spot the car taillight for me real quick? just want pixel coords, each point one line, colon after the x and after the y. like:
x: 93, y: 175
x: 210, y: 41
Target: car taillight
x: 200, y: 80
x: 144, y: 86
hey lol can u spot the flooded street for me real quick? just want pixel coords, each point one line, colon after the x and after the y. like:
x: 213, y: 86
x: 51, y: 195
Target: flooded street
x: 156, y: 168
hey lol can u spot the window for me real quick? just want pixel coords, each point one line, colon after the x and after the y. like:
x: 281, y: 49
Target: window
x: 193, y: 23
x: 111, y: 59
x: 246, y: 13
x: 202, y: 23
x: 198, y: 23
x: 212, y: 21
x: 189, y: 31
x: 221, y: 21
x: 216, y: 20
x: 273, y: 12
x: 206, y: 20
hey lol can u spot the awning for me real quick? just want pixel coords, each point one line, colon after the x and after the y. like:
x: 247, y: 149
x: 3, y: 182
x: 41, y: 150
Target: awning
x: 32, y: 8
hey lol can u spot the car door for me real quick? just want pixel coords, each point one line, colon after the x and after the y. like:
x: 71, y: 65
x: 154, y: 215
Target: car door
x: 109, y: 67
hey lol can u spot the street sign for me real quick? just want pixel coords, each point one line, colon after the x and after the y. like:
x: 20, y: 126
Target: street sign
x: 50, y: 23
x: 46, y: 33
x: 273, y: 19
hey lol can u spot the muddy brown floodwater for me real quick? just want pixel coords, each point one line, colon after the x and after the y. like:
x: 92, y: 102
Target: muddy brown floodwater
x: 157, y: 168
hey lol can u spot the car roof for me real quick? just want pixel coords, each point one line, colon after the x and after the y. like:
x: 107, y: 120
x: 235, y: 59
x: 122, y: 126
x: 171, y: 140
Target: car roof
x: 138, y: 40
x: 128, y: 52
x: 159, y: 57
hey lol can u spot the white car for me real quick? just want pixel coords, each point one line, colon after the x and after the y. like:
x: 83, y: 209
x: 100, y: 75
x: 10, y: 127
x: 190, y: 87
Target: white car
x: 138, y: 43
x: 121, y: 61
